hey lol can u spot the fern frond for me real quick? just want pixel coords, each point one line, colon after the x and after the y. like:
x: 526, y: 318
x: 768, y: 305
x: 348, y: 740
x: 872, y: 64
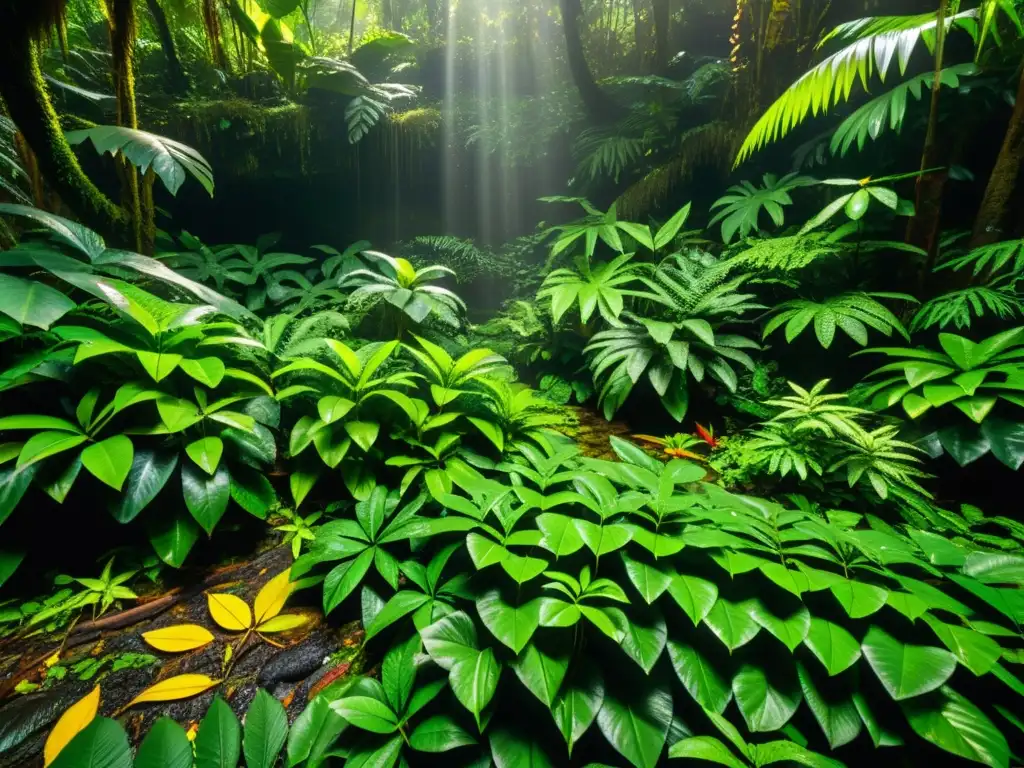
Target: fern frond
x: 603, y: 154
x: 877, y: 42
x: 786, y: 254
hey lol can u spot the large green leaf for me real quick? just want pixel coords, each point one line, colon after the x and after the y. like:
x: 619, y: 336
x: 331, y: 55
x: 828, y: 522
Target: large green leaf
x: 700, y: 677
x: 766, y: 702
x: 440, y: 733
x: 859, y: 599
x: 513, y: 625
x: 451, y: 640
x: 170, y: 160
x: 705, y: 748
x: 578, y: 702
x: 32, y: 303
x: 836, y: 648
x: 14, y: 482
x: 790, y: 630
x: 173, y: 537
x: 646, y: 634
x: 951, y: 722
x: 206, y: 496
x: 266, y: 726
x: 367, y: 713
x: 978, y: 652
x: 732, y: 623
x: 110, y: 460
x: 313, y: 733
x: 694, y: 595
x: 637, y: 724
x: 650, y: 579
x: 81, y: 238
x: 832, y: 708
x: 165, y: 746
x: 219, y: 741
x: 542, y: 669
x: 342, y: 580
x: 149, y: 473
x: 475, y: 680
x: 512, y: 749
x: 905, y: 670
x: 101, y: 744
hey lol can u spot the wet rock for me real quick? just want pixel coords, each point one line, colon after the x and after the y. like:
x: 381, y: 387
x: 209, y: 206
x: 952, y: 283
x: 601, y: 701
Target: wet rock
x: 299, y: 662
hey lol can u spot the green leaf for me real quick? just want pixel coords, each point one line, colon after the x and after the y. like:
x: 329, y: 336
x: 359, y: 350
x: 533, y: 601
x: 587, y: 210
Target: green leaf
x: 700, y: 677
x: 705, y: 748
x: 951, y: 722
x: 732, y: 623
x: 561, y: 536
x: 766, y: 704
x: 859, y: 599
x: 165, y: 746
x: 252, y: 491
x: 651, y: 581
x: 541, y: 671
x: 206, y: 452
x: 1006, y: 440
x: 266, y: 726
x: 671, y: 228
x: 101, y: 744
x: 208, y: 371
x: 978, y: 652
x: 149, y: 473
x: 439, y: 733
x: 838, y: 718
x: 906, y: 670
x: 451, y: 639
x: 173, y: 537
x: 32, y: 303
x: 398, y: 672
x: 513, y: 625
x: 578, y: 702
x: 366, y: 713
x: 512, y: 749
x: 110, y: 460
x: 645, y: 637
x: 206, y: 496
x: 835, y: 648
x: 9, y: 562
x: 43, y: 445
x: 637, y: 725
x: 78, y: 236
x: 342, y: 580
x: 363, y: 433
x: 313, y: 733
x: 474, y: 681
x: 790, y: 630
x: 694, y: 595
x: 400, y: 605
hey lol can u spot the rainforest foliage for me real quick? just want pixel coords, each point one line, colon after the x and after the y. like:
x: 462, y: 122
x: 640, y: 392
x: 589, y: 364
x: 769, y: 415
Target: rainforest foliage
x: 795, y: 538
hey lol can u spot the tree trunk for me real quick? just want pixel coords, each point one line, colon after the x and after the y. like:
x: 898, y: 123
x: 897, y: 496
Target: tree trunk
x: 987, y: 225
x: 643, y: 31
x: 176, y: 79
x: 211, y: 21
x: 598, y: 105
x: 352, y: 28
x: 923, y: 228
x: 662, y: 21
x: 28, y: 104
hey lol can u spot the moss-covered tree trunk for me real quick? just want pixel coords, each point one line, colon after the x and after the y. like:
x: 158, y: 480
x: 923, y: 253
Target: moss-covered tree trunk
x: 176, y: 79
x: 988, y: 224
x: 24, y: 92
x: 598, y: 104
x: 211, y: 21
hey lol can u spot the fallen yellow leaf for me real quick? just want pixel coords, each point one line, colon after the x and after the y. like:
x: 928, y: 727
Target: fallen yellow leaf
x: 74, y: 720
x: 52, y: 660
x: 229, y: 611
x: 282, y: 623
x: 271, y: 598
x: 180, y: 637
x: 175, y: 688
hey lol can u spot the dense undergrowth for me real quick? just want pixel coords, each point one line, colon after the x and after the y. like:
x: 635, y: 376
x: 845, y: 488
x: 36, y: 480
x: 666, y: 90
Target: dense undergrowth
x: 807, y: 551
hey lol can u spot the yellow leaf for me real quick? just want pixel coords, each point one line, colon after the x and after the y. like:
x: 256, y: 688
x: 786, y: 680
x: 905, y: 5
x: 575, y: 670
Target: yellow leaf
x: 52, y: 660
x: 175, y: 688
x: 271, y: 598
x: 282, y: 623
x: 230, y: 612
x: 180, y: 637
x: 77, y: 716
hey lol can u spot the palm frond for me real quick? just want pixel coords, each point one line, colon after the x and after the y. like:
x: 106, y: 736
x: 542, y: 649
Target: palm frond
x: 890, y: 108
x: 877, y: 42
x: 993, y: 258
x: 960, y: 308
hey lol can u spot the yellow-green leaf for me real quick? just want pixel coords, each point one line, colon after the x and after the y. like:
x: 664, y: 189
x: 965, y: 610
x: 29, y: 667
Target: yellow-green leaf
x: 282, y: 623
x: 271, y: 598
x: 229, y: 612
x: 175, y: 689
x: 77, y: 716
x: 179, y: 638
